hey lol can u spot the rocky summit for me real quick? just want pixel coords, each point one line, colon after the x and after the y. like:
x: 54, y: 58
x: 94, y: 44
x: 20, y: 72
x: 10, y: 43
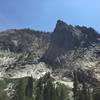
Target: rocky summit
x: 59, y: 65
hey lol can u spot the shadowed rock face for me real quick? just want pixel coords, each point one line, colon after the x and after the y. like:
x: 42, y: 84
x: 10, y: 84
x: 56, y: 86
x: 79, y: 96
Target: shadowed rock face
x: 67, y: 38
x: 68, y: 48
x: 26, y: 52
x: 64, y: 47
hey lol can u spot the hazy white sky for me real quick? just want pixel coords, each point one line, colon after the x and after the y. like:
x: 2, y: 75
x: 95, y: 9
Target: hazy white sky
x: 43, y: 14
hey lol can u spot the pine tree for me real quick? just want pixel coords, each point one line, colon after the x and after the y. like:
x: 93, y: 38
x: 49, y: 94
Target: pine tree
x: 48, y: 87
x: 76, y: 89
x: 85, y: 91
x: 19, y: 93
x: 62, y: 94
x: 39, y: 90
x: 29, y: 88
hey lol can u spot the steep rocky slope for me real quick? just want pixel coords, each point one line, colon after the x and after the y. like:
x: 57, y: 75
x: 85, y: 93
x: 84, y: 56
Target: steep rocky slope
x: 28, y: 88
x: 67, y: 40
x: 21, y: 49
x: 69, y: 48
x: 23, y: 40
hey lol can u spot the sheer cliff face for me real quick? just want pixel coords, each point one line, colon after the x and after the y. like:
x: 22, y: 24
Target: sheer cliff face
x: 69, y: 37
x: 71, y: 44
x: 62, y: 47
x: 25, y: 53
x: 67, y: 47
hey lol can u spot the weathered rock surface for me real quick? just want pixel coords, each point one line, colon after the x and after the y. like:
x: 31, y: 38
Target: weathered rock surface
x: 67, y: 48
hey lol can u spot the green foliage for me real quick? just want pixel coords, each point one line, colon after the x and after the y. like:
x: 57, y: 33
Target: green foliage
x: 62, y: 92
x: 19, y: 91
x: 82, y: 89
x: 75, y: 90
x: 47, y: 90
x: 44, y: 86
x: 96, y: 93
x: 3, y: 86
x: 29, y: 89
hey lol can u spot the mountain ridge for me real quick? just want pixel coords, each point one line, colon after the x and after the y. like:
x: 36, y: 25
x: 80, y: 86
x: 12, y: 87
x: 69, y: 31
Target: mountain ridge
x: 66, y: 38
x: 58, y: 59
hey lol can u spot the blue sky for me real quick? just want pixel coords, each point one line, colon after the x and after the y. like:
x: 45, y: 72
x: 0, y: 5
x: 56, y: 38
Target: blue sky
x: 43, y: 14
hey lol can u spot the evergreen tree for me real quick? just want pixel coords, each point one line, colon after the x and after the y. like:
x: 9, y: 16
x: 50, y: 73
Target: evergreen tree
x: 76, y: 89
x: 45, y: 89
x: 19, y: 93
x: 39, y: 90
x: 85, y: 91
x: 62, y: 96
x: 48, y: 90
x: 29, y: 88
